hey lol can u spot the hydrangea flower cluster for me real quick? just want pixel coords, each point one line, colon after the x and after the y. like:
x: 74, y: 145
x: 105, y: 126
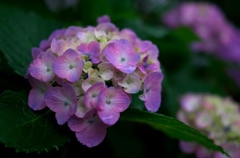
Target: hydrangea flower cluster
x: 217, y: 35
x: 87, y: 75
x: 218, y: 118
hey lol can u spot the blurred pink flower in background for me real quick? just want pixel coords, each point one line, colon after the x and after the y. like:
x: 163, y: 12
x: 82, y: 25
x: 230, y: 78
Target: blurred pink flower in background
x: 217, y: 35
x: 217, y: 117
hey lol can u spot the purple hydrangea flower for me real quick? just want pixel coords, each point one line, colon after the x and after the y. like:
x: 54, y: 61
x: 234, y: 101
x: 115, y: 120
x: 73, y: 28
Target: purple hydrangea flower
x: 217, y: 35
x: 41, y: 69
x: 92, y: 50
x: 81, y: 108
x: 131, y: 83
x: 90, y: 130
x: 63, y: 101
x: 36, y: 95
x: 87, y: 75
x: 122, y: 55
x: 152, y: 91
x: 69, y: 65
x: 111, y: 102
x: 91, y: 95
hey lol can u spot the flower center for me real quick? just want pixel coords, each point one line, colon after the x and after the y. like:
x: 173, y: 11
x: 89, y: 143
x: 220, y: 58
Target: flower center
x: 71, y: 66
x: 147, y: 89
x: 123, y: 59
x: 94, y: 95
x: 48, y: 69
x: 108, y: 101
x: 66, y: 103
x: 90, y: 121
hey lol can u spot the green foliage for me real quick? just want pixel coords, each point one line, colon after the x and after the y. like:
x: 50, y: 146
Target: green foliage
x: 19, y: 32
x: 26, y: 130
x: 171, y: 127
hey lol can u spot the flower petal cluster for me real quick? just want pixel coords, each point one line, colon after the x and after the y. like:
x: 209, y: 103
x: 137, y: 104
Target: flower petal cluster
x: 87, y: 75
x: 217, y: 117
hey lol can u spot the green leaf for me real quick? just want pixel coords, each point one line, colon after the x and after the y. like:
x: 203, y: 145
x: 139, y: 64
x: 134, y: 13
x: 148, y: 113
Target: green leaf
x: 171, y: 127
x: 19, y: 32
x: 25, y: 130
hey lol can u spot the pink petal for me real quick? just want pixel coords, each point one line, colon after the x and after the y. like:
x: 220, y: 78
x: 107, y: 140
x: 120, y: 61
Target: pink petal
x: 153, y: 100
x: 109, y: 116
x: 103, y: 19
x: 142, y: 46
x: 77, y: 124
x: 111, y: 102
x: 203, y: 120
x: 83, y: 48
x: 58, y: 46
x: 63, y: 101
x: 152, y: 91
x: 122, y: 55
x: 90, y: 81
x: 129, y: 35
x: 41, y: 69
x: 190, y: 102
x: 106, y: 70
x: 131, y: 83
x: 90, y: 130
x: 93, y: 134
x: 81, y: 108
x: 107, y: 27
x: 62, y: 117
x: 94, y: 49
x: 36, y: 52
x: 72, y: 31
x: 91, y: 95
x: 153, y: 81
x: 69, y: 66
x: 36, y: 99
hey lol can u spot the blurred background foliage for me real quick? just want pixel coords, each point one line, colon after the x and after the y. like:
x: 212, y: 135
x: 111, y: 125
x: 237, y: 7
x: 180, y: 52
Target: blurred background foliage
x: 183, y: 70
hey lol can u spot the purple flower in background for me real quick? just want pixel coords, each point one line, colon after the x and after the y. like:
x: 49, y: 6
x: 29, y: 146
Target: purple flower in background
x: 63, y: 101
x: 217, y: 36
x: 190, y: 102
